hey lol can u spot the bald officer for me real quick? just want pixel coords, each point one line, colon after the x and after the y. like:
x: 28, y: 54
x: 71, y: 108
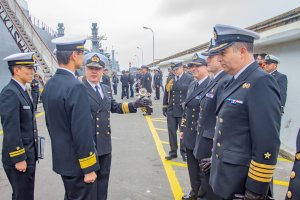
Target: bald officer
x: 101, y: 104
x: 19, y: 152
x: 246, y: 141
x: 68, y: 120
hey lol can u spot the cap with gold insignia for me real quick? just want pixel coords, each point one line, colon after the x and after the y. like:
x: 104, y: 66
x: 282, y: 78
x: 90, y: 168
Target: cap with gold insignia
x: 21, y: 59
x: 198, y: 60
x: 225, y: 36
x: 271, y: 59
x: 95, y: 60
x: 70, y: 43
x: 208, y: 52
x: 176, y: 64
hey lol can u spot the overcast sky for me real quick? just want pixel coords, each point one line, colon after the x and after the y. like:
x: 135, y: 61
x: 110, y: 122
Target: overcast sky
x: 177, y: 24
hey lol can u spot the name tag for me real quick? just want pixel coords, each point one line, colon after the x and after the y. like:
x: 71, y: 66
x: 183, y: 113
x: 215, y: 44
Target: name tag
x: 26, y: 107
x: 234, y: 101
x: 209, y: 95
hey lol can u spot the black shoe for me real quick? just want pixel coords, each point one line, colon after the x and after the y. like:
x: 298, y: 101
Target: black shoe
x: 170, y: 157
x: 189, y: 197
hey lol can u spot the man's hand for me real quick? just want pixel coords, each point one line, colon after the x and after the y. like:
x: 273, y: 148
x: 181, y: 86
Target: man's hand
x: 90, y: 177
x: 142, y: 102
x: 164, y: 111
x: 205, y: 165
x: 21, y: 166
x: 181, y: 135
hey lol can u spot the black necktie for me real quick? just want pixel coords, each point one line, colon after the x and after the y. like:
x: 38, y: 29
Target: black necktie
x: 230, y: 82
x: 177, y: 78
x: 97, y: 91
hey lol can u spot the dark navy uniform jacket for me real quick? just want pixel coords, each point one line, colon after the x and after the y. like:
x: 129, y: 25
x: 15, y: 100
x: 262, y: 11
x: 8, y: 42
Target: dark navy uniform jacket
x: 207, y: 116
x: 34, y: 86
x: 125, y: 80
x: 19, y: 125
x: 106, y: 80
x: 175, y: 95
x: 246, y: 141
x: 146, y: 82
x: 100, y: 109
x: 191, y: 113
x: 293, y: 191
x: 69, y: 123
x: 157, y: 80
x: 282, y: 82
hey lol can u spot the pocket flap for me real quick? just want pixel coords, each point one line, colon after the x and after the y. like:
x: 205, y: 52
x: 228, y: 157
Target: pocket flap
x: 209, y: 133
x: 236, y: 158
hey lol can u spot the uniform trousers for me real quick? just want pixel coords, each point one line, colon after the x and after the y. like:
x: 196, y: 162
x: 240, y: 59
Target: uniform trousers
x: 22, y: 183
x: 103, y: 176
x: 173, y: 125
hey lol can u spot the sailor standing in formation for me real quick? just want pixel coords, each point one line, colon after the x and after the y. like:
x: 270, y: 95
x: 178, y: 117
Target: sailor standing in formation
x: 101, y: 104
x: 68, y: 120
x: 19, y: 153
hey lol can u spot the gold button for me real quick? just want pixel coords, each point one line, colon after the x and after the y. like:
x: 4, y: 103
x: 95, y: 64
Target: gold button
x: 173, y: 104
x: 218, y: 144
x: 180, y: 92
x: 191, y: 129
x: 194, y: 110
x: 108, y: 126
x: 293, y: 175
x: 193, y: 116
x: 198, y: 133
x: 173, y: 99
x: 108, y: 119
x: 173, y: 95
x: 289, y: 194
x: 97, y: 126
x: 34, y: 130
x: 97, y: 119
x: 98, y: 133
x: 221, y: 120
x: 220, y: 133
x: 192, y: 122
x: 35, y: 140
x: 298, y: 156
x: 108, y: 133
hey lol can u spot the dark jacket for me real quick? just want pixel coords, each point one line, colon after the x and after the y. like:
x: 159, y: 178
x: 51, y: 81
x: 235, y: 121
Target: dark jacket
x: 293, y: 190
x: 115, y: 80
x: 191, y: 113
x: 100, y: 109
x: 19, y: 125
x: 125, y: 80
x: 34, y: 86
x: 69, y: 124
x: 146, y: 82
x: 207, y: 116
x: 157, y: 78
x: 106, y: 80
x: 175, y: 95
x: 131, y: 79
x: 246, y: 141
x: 282, y: 81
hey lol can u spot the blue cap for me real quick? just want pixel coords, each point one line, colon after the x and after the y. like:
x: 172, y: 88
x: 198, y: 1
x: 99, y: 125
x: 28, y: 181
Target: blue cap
x: 175, y: 64
x: 70, y: 43
x: 208, y: 52
x: 198, y: 60
x: 95, y: 60
x: 226, y: 35
x: 144, y: 66
x: 21, y: 59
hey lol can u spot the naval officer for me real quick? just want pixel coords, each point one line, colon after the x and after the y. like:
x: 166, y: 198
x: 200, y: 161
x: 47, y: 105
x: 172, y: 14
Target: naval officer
x: 271, y: 64
x: 188, y: 127
x: 68, y: 120
x: 207, y: 120
x: 174, y: 96
x: 293, y: 190
x: 101, y: 104
x: 19, y: 152
x: 246, y: 141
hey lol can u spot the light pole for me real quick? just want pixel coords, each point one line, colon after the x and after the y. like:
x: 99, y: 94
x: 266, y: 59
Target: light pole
x: 153, y: 41
x: 138, y: 60
x: 142, y: 54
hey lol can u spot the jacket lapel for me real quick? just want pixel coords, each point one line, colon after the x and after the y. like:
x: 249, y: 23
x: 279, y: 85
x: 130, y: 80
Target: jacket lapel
x: 235, y: 84
x: 92, y: 92
x: 198, y: 90
x: 23, y: 93
x: 178, y: 82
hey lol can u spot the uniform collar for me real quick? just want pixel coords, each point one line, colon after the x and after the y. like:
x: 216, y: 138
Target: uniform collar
x: 202, y: 80
x: 68, y: 71
x: 21, y: 85
x: 215, y: 76
x: 241, y: 70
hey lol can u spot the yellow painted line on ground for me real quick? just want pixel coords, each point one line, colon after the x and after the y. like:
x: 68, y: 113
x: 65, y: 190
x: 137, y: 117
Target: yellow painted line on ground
x: 37, y: 115
x: 158, y: 120
x: 282, y: 183
x: 283, y: 160
x: 161, y: 129
x: 175, y: 186
x: 178, y: 164
x: 165, y: 142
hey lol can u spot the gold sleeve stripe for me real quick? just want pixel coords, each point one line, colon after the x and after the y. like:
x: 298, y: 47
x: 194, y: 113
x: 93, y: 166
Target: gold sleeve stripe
x: 88, y: 161
x: 265, y: 180
x: 24, y: 63
x: 262, y: 165
x: 125, y: 108
x: 17, y: 153
x: 267, y: 171
x: 262, y: 175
